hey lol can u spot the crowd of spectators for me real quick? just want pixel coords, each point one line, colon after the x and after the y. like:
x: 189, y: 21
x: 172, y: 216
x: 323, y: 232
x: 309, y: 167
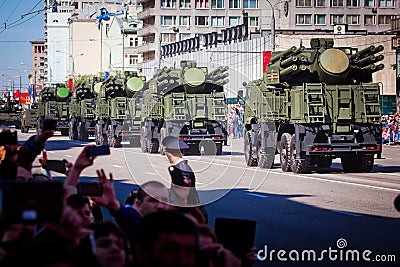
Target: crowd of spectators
x: 146, y: 230
x: 390, y: 129
x: 235, y: 121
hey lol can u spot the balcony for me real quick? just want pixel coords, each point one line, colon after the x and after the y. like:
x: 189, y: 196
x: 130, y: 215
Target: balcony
x: 149, y: 30
x: 148, y: 12
x: 147, y: 47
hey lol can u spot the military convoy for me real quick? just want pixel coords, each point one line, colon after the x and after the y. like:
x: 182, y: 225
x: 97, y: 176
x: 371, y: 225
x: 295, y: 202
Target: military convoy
x: 313, y: 105
x: 28, y: 119
x: 186, y: 102
x: 54, y: 102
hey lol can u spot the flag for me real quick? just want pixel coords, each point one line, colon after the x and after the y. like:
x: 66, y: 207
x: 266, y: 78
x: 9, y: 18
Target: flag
x: 266, y: 59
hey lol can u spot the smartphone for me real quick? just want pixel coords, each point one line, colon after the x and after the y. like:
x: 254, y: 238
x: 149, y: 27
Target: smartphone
x: 32, y: 202
x: 50, y: 124
x: 57, y: 166
x: 237, y: 235
x: 95, y: 151
x: 90, y: 189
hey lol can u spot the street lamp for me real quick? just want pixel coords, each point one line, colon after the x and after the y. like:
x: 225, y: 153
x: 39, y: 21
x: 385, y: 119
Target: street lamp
x: 273, y: 22
x: 20, y: 77
x: 101, y: 54
x: 72, y: 58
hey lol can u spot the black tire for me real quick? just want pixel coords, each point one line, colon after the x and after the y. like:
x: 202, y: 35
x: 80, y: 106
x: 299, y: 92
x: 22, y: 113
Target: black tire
x: 162, y: 136
x: 367, y: 163
x: 72, y: 133
x: 250, y: 159
x: 153, y: 145
x: 219, y: 148
x: 298, y: 166
x: 143, y: 141
x: 352, y: 164
x: 82, y: 133
x: 265, y: 161
x: 284, y: 148
x: 324, y: 162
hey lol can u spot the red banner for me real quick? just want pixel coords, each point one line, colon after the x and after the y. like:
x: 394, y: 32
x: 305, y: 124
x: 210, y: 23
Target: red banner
x: 266, y: 59
x: 71, y: 84
x: 25, y: 99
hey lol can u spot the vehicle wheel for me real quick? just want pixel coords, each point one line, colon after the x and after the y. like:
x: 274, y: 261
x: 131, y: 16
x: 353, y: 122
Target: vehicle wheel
x: 351, y: 164
x: 219, y: 148
x: 113, y: 140
x: 162, y: 136
x: 64, y: 132
x: 143, y: 140
x: 323, y: 162
x: 22, y: 129
x: 73, y: 134
x: 82, y: 133
x: 367, y: 163
x: 265, y: 161
x: 298, y: 165
x: 153, y: 145
x: 27, y: 130
x: 250, y: 159
x: 284, y: 147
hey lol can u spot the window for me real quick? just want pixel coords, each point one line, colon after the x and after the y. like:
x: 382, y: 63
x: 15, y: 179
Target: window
x: 217, y: 3
x: 234, y: 21
x: 303, y: 19
x: 336, y: 3
x: 168, y: 20
x: 370, y: 20
x: 201, y: 3
x: 133, y: 59
x: 168, y: 37
x: 168, y: 3
x: 201, y: 21
x: 184, y: 20
x: 337, y: 19
x: 352, y: 3
x: 234, y: 3
x: 184, y: 36
x: 384, y: 19
x: 319, y: 2
x: 300, y: 3
x: 369, y: 3
x: 250, y: 3
x: 387, y: 3
x: 320, y: 20
x: 218, y: 21
x: 353, y: 19
x: 254, y: 21
x: 185, y: 4
x: 133, y: 42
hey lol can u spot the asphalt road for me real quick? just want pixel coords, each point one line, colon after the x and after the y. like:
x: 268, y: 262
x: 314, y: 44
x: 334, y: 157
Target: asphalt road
x: 326, y: 210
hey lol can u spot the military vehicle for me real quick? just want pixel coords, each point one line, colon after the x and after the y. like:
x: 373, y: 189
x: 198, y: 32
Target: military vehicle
x: 28, y: 119
x: 54, y: 102
x: 118, y: 110
x: 313, y: 105
x: 187, y: 102
x: 81, y: 110
x: 10, y: 111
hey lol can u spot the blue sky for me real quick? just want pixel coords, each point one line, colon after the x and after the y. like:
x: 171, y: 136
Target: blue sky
x: 15, y: 46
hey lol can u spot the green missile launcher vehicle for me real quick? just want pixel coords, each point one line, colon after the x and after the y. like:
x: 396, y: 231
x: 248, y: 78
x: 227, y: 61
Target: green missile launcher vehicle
x: 54, y: 102
x: 118, y: 110
x: 10, y: 112
x: 187, y: 102
x: 314, y: 105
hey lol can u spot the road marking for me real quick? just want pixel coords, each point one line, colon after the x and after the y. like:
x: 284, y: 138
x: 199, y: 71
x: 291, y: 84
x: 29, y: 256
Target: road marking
x: 69, y: 156
x: 256, y: 195
x: 266, y: 171
x: 117, y: 166
x: 347, y: 213
x: 386, y: 173
x: 151, y: 173
x: 51, y: 152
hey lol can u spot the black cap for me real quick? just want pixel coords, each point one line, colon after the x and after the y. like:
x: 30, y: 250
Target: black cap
x: 173, y: 143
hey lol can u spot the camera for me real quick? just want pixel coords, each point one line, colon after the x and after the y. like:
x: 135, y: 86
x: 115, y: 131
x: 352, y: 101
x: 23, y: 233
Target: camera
x: 8, y: 138
x: 95, y: 151
x: 57, y: 166
x: 90, y: 189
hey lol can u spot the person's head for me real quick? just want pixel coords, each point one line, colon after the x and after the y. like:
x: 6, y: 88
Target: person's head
x: 166, y: 238
x: 206, y: 235
x: 82, y: 205
x: 112, y: 247
x: 174, y: 148
x: 152, y: 196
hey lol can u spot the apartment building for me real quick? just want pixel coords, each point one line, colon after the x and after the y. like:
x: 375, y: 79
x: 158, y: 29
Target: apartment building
x: 38, y: 72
